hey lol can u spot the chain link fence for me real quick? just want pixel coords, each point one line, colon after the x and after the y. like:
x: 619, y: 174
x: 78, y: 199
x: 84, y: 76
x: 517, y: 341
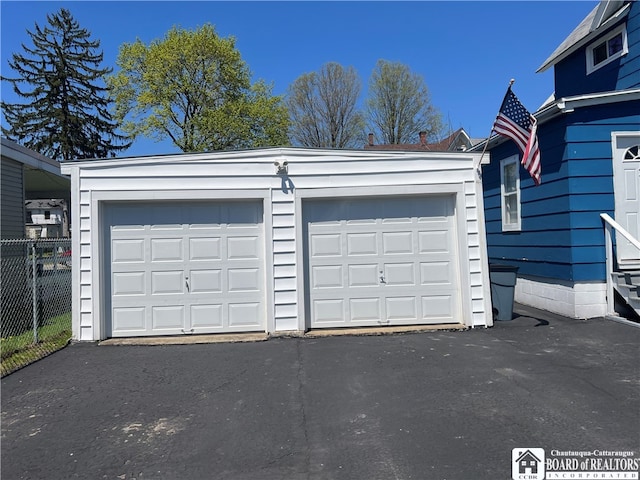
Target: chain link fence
x: 35, y: 291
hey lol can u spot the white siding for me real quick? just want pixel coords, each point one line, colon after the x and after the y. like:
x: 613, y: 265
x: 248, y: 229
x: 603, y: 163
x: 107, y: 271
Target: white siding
x: 286, y: 313
x: 83, y: 258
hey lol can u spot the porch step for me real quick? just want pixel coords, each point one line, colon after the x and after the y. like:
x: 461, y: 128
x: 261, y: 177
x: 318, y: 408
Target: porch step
x: 627, y: 285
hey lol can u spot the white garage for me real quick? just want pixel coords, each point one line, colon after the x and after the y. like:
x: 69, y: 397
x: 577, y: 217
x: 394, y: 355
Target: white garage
x: 277, y: 240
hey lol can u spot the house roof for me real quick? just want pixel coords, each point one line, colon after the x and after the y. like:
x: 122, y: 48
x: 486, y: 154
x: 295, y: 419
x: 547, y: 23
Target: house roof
x: 44, y: 203
x: 268, y: 155
x: 27, y: 157
x: 40, y: 173
x: 604, y: 15
x: 447, y: 144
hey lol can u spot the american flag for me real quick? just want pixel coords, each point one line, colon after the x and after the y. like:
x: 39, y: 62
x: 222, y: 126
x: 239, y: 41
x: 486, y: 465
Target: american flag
x: 515, y: 122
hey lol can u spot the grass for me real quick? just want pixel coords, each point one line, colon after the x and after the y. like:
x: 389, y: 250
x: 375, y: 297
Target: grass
x: 19, y: 350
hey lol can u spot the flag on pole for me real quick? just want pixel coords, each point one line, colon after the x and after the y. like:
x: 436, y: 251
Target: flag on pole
x: 514, y: 121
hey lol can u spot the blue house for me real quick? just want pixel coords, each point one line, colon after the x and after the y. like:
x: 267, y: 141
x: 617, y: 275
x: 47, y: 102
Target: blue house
x: 589, y: 137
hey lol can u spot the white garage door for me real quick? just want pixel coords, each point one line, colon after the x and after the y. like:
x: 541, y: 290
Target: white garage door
x: 381, y: 261
x: 185, y: 267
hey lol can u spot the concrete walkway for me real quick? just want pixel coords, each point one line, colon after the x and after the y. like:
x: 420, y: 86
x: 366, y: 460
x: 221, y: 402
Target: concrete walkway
x: 429, y: 405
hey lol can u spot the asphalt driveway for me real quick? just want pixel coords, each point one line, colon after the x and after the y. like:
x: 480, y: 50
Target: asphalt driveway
x: 433, y: 405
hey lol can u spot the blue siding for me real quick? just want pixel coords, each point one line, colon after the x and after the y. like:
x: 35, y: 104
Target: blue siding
x: 562, y: 236
x: 629, y: 74
x: 624, y: 73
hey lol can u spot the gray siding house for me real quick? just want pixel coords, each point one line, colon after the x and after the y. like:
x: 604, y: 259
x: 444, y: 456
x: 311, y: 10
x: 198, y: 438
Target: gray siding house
x: 26, y: 175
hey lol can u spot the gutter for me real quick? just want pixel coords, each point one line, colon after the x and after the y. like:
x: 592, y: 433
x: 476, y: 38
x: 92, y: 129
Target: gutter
x: 568, y: 105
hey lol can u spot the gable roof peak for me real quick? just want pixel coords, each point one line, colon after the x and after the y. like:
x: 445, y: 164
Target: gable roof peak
x: 598, y: 18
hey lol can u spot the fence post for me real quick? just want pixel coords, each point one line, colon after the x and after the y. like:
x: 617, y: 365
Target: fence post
x: 34, y: 294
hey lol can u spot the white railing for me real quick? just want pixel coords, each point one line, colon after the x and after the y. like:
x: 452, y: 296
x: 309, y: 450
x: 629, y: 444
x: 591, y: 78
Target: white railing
x: 609, y: 225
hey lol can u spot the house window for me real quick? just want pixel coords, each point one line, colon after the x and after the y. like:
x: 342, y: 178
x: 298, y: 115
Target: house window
x: 607, y: 49
x: 510, y: 193
x: 47, y: 214
x: 633, y: 153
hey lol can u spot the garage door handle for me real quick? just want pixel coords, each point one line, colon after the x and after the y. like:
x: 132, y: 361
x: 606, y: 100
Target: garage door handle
x: 382, y: 280
x: 186, y: 282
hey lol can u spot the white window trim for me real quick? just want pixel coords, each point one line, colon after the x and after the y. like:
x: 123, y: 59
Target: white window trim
x: 625, y: 49
x: 510, y: 227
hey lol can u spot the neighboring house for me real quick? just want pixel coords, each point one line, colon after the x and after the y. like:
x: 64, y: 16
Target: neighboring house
x: 457, y: 141
x: 47, y: 218
x: 26, y: 175
x: 277, y: 240
x: 589, y: 135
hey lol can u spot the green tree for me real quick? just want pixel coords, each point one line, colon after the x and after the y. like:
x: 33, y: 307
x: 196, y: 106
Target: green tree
x: 66, y: 110
x: 194, y: 88
x: 399, y: 105
x: 323, y: 108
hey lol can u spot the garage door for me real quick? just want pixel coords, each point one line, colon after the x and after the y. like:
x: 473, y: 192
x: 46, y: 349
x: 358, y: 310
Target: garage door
x: 381, y: 261
x: 185, y: 267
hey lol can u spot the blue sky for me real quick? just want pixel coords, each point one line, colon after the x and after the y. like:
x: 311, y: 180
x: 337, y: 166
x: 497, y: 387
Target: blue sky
x: 466, y: 51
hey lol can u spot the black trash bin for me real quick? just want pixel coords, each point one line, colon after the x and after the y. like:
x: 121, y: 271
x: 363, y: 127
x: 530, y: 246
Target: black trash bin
x: 503, y: 284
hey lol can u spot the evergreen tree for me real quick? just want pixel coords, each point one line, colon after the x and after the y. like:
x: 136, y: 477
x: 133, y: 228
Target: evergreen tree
x: 66, y: 111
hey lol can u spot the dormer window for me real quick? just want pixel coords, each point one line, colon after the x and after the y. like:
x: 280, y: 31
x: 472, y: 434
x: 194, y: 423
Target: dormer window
x: 606, y: 49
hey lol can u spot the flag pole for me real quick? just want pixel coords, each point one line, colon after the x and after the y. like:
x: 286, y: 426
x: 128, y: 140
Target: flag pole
x: 511, y: 82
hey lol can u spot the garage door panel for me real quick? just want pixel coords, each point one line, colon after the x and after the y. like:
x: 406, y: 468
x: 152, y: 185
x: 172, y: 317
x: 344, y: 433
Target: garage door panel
x: 397, y: 242
x: 365, y: 310
x: 127, y: 251
x: 166, y: 250
x: 244, y: 314
x: 167, y: 283
x: 205, y: 248
x: 435, y: 241
x: 207, y: 316
x: 437, y: 306
x: 435, y: 273
x: 128, y: 228
x: 194, y: 267
x: 129, y: 319
x: 327, y: 276
x: 239, y: 248
x: 243, y: 280
x: 328, y: 311
x: 395, y: 220
x: 364, y: 275
x: 170, y: 317
x: 396, y: 274
x: 326, y: 245
x: 362, y: 244
x: 205, y: 281
x: 368, y: 269
x: 401, y: 308
x: 128, y: 283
